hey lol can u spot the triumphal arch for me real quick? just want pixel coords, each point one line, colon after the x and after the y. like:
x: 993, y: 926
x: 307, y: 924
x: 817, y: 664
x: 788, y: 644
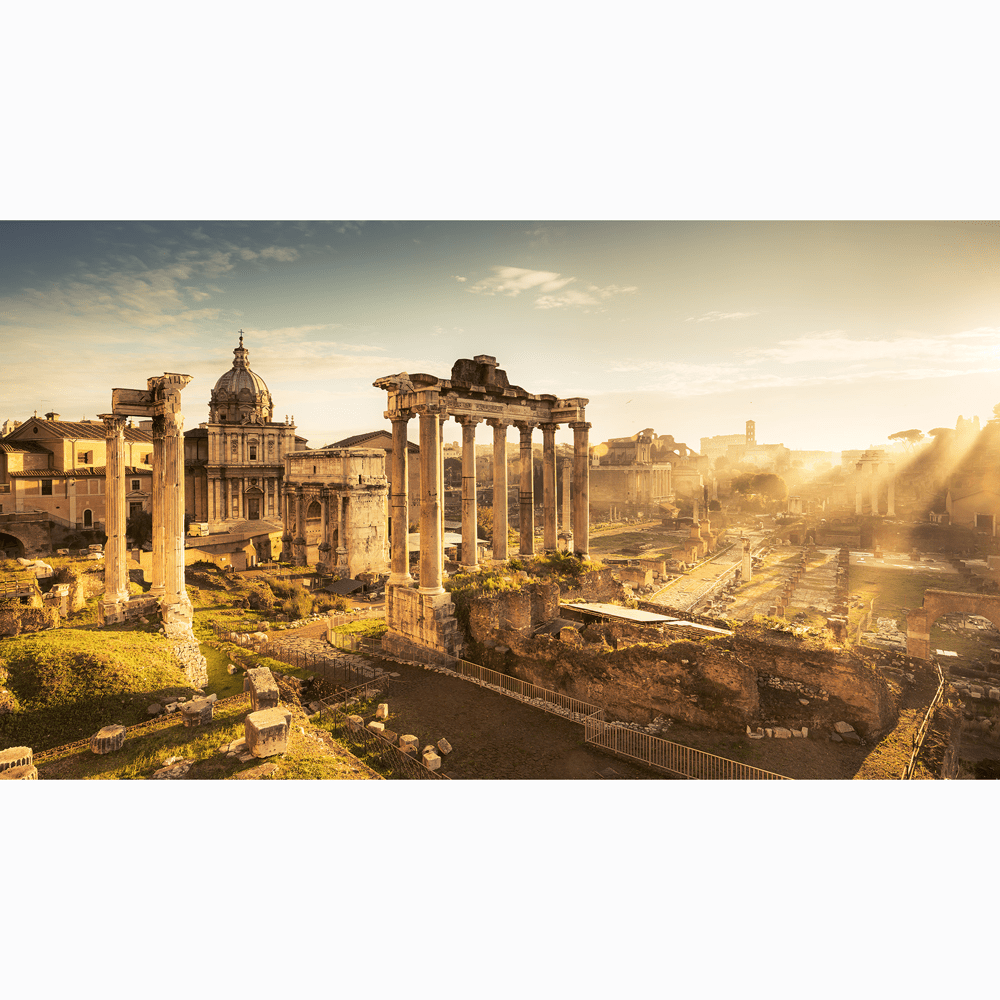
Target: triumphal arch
x: 420, y: 613
x: 160, y: 401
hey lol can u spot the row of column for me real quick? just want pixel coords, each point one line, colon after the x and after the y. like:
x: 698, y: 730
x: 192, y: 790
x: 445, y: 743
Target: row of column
x: 431, y: 526
x: 167, y: 510
x: 220, y: 497
x: 891, y: 497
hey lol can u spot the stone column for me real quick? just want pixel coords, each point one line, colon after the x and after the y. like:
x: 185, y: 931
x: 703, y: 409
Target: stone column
x: 858, y: 499
x: 549, y: 527
x: 175, y: 592
x: 341, y: 532
x: 158, y: 587
x: 470, y: 529
x: 567, y: 493
x: 891, y: 512
x: 115, y: 564
x: 499, y: 488
x: 526, y: 492
x: 288, y: 535
x: 299, y: 541
x: 325, y: 562
x: 581, y: 488
x: 874, y: 490
x: 430, y: 503
x: 399, y: 471
x: 442, y: 417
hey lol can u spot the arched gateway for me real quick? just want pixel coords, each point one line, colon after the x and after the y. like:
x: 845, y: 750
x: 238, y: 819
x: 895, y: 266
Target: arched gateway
x: 942, y: 602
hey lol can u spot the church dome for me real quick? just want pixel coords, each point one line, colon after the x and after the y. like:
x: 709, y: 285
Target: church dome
x: 240, y: 396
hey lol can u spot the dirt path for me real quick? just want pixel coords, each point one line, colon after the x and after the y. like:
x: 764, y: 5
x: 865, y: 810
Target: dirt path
x: 493, y: 736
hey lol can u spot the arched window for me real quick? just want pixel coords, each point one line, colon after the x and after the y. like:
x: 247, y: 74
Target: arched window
x: 88, y: 518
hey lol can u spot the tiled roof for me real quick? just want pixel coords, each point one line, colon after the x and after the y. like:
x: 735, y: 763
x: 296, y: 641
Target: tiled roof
x: 85, y: 430
x: 350, y: 442
x: 29, y: 446
x: 98, y: 471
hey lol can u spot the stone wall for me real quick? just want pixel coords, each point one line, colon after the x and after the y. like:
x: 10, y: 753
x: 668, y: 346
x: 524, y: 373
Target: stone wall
x: 600, y: 585
x: 516, y: 610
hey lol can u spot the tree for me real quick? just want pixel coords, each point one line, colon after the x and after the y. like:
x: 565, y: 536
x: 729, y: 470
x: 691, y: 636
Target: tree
x: 721, y: 462
x: 910, y: 438
x: 768, y: 485
x: 139, y: 527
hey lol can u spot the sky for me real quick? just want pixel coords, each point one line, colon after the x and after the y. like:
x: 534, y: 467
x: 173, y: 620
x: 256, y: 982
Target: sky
x: 829, y: 335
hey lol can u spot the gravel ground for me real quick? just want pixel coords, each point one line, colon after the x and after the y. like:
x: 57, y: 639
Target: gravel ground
x: 493, y: 736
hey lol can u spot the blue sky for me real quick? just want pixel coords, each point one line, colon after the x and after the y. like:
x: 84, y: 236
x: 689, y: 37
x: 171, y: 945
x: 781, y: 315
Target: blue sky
x: 829, y: 335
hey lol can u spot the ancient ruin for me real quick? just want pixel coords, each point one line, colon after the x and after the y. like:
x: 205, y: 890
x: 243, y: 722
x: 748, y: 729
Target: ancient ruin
x: 160, y: 401
x: 423, y: 616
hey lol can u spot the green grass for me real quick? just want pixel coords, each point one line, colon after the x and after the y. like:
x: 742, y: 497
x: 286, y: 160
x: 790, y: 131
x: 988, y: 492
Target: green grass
x: 70, y: 682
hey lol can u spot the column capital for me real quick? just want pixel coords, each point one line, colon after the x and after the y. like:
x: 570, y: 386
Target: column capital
x: 464, y: 420
x: 431, y: 409
x: 580, y: 425
x: 526, y: 426
x: 548, y: 427
x: 498, y: 423
x: 398, y: 416
x: 113, y: 421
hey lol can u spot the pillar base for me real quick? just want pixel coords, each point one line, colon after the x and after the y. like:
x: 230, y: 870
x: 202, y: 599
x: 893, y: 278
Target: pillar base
x: 110, y: 612
x: 424, y: 620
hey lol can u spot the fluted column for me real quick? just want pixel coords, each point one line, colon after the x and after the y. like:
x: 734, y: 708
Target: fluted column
x: 581, y: 488
x: 115, y: 564
x: 158, y: 587
x: 526, y: 492
x: 858, y: 499
x: 470, y: 528
x: 442, y: 417
x: 549, y: 527
x: 173, y: 526
x: 874, y: 489
x: 399, y: 506
x: 499, y: 488
x: 567, y: 468
x: 891, y: 512
x: 430, y: 503
x: 325, y: 561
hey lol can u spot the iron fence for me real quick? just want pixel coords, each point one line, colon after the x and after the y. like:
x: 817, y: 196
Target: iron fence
x: 925, y: 725
x: 653, y: 751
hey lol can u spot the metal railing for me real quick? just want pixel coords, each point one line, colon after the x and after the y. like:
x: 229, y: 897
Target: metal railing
x: 925, y: 725
x: 514, y: 687
x: 662, y: 754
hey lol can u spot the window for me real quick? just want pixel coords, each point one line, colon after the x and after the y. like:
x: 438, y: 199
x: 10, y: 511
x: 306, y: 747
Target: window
x: 84, y: 458
x: 135, y: 485
x: 88, y: 518
x: 134, y: 508
x: 46, y: 487
x: 253, y: 452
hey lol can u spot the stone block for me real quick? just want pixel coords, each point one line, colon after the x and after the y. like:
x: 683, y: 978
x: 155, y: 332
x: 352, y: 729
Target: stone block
x: 769, y: 732
x: 388, y: 734
x: 431, y: 760
x: 408, y: 741
x: 14, y: 757
x: 796, y: 734
x: 382, y: 712
x: 264, y: 692
x: 266, y: 731
x: 851, y: 737
x: 197, y: 712
x: 355, y: 722
x: 782, y: 734
x: 23, y: 772
x: 835, y: 738
x: 805, y: 732
x: 376, y: 727
x: 172, y: 772
x: 444, y: 746
x: 232, y: 669
x: 154, y: 709
x: 108, y: 739
x: 843, y: 727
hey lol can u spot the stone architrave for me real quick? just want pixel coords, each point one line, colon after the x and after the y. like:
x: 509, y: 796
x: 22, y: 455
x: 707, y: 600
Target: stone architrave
x: 108, y: 739
x: 266, y: 732
x: 264, y: 692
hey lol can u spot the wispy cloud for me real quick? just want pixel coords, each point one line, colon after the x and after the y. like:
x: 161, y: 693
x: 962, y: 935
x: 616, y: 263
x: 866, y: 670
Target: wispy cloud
x: 512, y: 281
x: 458, y: 277
x: 715, y: 317
x: 965, y: 347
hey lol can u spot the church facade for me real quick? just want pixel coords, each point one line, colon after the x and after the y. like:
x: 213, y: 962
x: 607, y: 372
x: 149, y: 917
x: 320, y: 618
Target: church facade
x: 234, y: 463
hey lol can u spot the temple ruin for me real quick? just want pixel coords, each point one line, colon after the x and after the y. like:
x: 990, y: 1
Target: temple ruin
x: 422, y: 616
x: 160, y: 401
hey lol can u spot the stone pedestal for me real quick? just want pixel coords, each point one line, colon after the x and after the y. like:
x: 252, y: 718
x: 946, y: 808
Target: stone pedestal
x: 108, y: 739
x: 24, y: 772
x: 266, y: 732
x: 197, y: 712
x: 424, y: 621
x: 264, y: 692
x: 14, y: 757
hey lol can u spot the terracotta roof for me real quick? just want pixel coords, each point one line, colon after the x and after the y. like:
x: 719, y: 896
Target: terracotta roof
x: 350, y: 442
x: 29, y: 446
x: 86, y: 430
x: 90, y: 471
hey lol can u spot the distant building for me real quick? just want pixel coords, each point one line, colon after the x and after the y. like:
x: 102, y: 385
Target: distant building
x: 55, y: 470
x: 234, y: 463
x: 743, y: 449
